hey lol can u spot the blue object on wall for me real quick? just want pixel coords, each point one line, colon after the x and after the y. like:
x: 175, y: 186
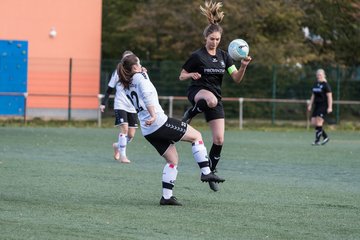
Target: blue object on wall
x: 13, y: 76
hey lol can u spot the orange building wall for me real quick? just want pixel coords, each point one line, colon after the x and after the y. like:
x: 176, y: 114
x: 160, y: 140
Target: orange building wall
x: 78, y: 27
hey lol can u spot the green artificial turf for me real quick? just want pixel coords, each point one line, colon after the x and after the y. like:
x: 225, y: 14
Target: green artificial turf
x: 62, y: 183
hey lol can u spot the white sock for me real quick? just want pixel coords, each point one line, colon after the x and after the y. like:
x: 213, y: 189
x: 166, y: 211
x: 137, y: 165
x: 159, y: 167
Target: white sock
x: 122, y: 144
x: 200, y: 156
x: 168, y: 179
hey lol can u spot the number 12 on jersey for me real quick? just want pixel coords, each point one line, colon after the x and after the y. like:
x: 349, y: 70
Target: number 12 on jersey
x: 134, y: 99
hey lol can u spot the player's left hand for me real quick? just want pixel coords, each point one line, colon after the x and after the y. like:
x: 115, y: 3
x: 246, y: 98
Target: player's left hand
x: 329, y: 110
x: 246, y: 61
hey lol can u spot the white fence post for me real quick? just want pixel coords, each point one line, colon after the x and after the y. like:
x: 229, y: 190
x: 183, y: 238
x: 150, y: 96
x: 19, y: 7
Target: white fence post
x: 241, y: 100
x: 307, y: 115
x: 171, y: 102
x: 100, y: 96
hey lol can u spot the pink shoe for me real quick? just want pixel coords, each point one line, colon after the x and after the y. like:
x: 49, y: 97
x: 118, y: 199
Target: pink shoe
x: 116, y: 152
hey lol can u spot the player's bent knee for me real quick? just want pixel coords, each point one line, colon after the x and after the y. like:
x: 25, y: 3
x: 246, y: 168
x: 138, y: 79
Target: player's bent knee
x: 212, y: 103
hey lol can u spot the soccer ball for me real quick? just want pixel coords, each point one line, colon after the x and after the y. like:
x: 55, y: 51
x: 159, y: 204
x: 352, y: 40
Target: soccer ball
x: 238, y: 49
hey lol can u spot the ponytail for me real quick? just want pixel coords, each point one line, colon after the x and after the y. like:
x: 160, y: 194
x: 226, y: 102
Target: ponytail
x: 214, y: 16
x: 124, y: 69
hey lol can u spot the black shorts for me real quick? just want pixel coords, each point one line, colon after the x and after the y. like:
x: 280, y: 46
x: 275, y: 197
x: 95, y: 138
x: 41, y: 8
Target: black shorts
x: 319, y: 111
x: 211, y: 113
x: 124, y: 117
x: 171, y: 132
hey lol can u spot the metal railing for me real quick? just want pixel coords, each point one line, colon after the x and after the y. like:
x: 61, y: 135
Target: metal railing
x: 241, y: 102
x: 172, y: 99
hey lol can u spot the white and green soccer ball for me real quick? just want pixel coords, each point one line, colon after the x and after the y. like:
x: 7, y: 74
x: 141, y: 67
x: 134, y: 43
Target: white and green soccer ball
x: 238, y: 49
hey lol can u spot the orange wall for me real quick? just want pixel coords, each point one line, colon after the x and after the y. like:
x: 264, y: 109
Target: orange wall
x: 78, y: 27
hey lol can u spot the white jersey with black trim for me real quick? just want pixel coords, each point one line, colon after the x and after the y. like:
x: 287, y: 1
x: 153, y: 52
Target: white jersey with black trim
x: 143, y: 93
x: 121, y: 101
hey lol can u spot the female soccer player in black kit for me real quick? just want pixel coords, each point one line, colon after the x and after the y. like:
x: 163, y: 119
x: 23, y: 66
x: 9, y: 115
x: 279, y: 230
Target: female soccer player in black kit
x: 206, y: 68
x: 321, y: 97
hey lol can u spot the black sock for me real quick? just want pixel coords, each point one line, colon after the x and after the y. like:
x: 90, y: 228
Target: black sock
x: 214, y: 156
x: 324, y: 134
x: 318, y: 133
x: 200, y: 106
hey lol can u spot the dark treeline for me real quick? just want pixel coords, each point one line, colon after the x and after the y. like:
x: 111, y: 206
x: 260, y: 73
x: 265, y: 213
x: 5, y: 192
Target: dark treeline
x: 289, y: 40
x: 278, y: 31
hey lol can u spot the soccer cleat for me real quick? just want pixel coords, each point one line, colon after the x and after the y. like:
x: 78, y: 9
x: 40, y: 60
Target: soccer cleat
x: 116, y: 152
x: 316, y: 143
x: 214, y: 186
x: 171, y: 201
x: 211, y: 177
x: 187, y: 118
x: 325, y: 141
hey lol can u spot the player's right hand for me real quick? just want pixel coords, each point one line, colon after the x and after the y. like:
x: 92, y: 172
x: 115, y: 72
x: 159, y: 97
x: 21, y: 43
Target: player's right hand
x: 195, y: 75
x: 102, y: 108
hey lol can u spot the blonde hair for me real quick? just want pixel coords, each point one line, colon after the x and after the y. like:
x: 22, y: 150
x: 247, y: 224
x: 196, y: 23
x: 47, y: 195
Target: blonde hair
x: 322, y: 71
x: 214, y: 16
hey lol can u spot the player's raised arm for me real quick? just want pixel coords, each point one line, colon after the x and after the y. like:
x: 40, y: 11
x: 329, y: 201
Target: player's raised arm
x: 237, y: 75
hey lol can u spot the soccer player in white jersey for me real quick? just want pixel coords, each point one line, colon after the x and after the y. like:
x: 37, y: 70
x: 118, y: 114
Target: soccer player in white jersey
x: 125, y: 115
x: 160, y: 130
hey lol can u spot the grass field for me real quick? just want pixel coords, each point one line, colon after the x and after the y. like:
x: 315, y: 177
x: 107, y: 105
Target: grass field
x: 62, y: 183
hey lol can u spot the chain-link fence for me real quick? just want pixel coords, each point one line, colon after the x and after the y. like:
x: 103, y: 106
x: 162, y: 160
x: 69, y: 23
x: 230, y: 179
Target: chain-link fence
x: 260, y: 82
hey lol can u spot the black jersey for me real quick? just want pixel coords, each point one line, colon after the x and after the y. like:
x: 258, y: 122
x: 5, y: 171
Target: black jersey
x: 320, y: 89
x: 211, y: 67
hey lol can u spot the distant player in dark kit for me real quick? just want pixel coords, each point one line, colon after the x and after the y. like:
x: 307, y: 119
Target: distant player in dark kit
x: 321, y: 98
x: 160, y: 130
